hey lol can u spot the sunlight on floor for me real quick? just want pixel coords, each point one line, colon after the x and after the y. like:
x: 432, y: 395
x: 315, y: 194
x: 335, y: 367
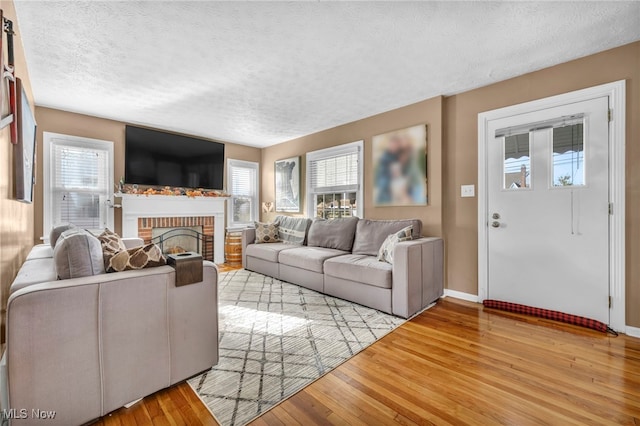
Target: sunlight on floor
x: 262, y: 322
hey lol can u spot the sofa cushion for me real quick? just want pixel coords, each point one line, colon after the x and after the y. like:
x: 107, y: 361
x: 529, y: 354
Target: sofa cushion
x: 78, y: 253
x: 268, y: 252
x: 267, y: 232
x: 370, y: 234
x: 293, y: 229
x: 34, y: 271
x: 57, y: 230
x: 309, y: 258
x: 40, y: 251
x: 147, y: 256
x: 386, y: 249
x: 334, y: 233
x: 360, y: 268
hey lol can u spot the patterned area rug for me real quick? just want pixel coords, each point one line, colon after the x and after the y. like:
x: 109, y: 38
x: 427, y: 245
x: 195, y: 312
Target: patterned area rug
x: 276, y: 338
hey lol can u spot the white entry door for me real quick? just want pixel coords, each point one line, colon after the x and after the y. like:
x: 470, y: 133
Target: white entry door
x: 548, y: 209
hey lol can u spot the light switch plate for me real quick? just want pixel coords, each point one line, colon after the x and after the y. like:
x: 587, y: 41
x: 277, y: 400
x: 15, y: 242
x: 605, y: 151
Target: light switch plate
x: 468, y: 191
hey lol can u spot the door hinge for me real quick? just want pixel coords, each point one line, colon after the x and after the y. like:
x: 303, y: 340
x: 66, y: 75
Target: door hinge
x: 610, y: 302
x: 610, y: 116
x: 610, y: 209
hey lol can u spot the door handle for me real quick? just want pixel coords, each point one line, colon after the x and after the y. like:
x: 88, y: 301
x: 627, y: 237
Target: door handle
x: 495, y: 224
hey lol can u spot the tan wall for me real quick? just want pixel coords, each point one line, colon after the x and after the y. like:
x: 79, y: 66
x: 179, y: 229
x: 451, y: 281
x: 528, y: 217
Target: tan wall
x: 56, y: 121
x: 460, y: 156
x: 427, y: 112
x: 16, y: 218
x: 452, y: 161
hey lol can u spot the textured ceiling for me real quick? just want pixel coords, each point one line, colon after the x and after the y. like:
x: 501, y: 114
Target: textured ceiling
x: 260, y: 73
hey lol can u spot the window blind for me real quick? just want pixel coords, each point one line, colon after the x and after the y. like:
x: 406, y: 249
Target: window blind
x: 79, y: 185
x: 243, y: 189
x: 334, y: 173
x: 242, y: 181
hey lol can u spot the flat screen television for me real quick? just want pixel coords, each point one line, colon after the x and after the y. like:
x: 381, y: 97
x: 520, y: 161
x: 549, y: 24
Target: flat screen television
x: 164, y: 159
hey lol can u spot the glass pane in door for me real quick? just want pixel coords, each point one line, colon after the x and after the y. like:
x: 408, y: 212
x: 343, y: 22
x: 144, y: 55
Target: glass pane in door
x: 517, y: 162
x: 568, y: 155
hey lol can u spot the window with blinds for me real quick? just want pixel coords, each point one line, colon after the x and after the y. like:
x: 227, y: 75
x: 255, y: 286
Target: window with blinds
x: 242, y: 185
x: 79, y: 178
x: 334, y: 181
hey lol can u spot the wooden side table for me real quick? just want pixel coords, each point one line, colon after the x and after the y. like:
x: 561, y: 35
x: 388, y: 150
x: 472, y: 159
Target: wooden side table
x: 188, y: 267
x: 233, y: 247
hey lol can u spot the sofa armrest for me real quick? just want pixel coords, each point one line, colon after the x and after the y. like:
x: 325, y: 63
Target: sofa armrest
x: 248, y: 237
x: 418, y: 275
x: 132, y: 242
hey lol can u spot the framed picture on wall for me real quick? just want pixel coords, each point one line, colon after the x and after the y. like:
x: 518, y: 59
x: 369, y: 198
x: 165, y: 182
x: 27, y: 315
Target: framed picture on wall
x: 24, y: 152
x: 287, y: 175
x: 7, y: 78
x: 400, y: 167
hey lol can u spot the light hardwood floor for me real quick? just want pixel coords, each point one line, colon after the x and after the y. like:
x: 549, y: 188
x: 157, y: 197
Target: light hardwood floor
x: 456, y: 363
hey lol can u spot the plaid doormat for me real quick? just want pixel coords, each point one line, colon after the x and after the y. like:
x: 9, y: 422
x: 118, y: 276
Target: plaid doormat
x: 549, y: 314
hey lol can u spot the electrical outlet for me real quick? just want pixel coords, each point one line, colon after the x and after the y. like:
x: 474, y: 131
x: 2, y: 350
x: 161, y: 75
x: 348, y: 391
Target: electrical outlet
x: 468, y: 191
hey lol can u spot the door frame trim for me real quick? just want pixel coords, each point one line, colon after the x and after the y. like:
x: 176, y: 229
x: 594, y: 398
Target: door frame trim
x: 616, y: 93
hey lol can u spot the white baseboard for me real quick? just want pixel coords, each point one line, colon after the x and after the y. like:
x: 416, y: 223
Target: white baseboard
x: 461, y: 295
x: 632, y: 331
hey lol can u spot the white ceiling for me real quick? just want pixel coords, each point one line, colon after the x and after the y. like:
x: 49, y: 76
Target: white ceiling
x: 260, y: 73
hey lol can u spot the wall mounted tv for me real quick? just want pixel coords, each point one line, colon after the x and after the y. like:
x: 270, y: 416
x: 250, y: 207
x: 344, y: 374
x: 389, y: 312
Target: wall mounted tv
x: 164, y: 159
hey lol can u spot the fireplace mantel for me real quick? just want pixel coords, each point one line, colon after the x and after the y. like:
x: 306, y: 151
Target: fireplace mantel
x: 140, y: 206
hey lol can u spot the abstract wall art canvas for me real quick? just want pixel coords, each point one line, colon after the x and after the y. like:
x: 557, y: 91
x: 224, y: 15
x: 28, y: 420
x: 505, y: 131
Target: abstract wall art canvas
x: 400, y: 167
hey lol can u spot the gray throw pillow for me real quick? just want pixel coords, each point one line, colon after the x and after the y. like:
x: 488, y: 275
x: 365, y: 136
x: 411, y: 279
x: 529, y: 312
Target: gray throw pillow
x: 293, y: 229
x: 333, y: 233
x: 78, y: 253
x: 57, y: 230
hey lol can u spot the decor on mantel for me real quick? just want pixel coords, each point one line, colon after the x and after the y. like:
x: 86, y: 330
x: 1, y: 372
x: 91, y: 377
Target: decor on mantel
x: 168, y: 190
x: 400, y: 167
x: 287, y: 173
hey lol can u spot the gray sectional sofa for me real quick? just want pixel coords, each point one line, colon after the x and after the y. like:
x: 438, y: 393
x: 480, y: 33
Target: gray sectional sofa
x: 83, y: 347
x: 339, y: 257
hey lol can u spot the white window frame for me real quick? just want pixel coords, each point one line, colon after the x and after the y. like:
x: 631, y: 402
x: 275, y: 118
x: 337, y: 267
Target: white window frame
x: 347, y: 148
x: 231, y: 163
x: 69, y: 140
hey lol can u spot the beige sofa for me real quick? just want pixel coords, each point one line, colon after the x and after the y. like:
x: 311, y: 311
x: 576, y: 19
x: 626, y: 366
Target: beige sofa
x: 339, y: 257
x: 83, y: 347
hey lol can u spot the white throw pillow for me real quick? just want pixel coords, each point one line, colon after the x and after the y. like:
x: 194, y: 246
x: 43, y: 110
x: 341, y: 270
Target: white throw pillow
x: 385, y: 254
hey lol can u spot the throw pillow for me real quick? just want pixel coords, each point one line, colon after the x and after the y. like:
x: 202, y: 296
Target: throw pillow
x: 57, y: 230
x: 386, y: 250
x: 147, y: 256
x: 293, y: 229
x: 267, y: 232
x: 111, y: 244
x: 77, y: 253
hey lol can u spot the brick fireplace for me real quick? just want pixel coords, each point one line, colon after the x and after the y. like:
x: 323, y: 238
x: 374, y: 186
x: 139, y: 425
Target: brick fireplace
x: 146, y: 226
x: 141, y: 213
